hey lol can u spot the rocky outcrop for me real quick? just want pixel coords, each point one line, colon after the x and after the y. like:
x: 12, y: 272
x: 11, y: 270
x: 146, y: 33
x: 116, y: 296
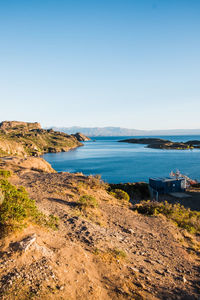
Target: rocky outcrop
x: 157, y: 143
x: 81, y: 137
x: 8, y: 125
x: 24, y: 244
x: 26, y: 164
x: 11, y: 147
x: 36, y: 164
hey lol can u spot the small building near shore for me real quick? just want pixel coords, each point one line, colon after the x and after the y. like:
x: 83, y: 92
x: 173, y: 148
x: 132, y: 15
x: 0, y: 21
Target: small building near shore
x: 167, y: 185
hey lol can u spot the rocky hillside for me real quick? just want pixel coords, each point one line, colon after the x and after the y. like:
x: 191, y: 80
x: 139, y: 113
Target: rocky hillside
x: 21, y: 138
x: 100, y: 249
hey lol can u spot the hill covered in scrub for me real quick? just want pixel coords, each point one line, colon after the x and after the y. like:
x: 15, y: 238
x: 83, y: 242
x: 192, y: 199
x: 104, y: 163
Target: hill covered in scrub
x: 22, y: 138
x: 83, y: 239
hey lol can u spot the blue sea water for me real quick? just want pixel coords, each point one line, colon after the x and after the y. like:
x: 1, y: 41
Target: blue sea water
x: 123, y: 162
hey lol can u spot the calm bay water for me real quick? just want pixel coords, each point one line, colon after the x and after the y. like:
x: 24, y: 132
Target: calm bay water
x: 122, y: 162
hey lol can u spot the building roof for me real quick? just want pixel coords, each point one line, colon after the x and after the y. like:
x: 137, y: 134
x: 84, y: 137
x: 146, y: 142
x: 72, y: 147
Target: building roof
x: 167, y: 179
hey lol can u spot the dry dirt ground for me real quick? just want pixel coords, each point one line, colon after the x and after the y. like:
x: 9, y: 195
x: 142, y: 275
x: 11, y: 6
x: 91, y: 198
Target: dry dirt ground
x: 109, y: 252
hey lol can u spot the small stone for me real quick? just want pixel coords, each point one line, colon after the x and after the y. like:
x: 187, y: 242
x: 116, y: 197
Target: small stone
x: 168, y: 271
x: 148, y: 278
x: 159, y: 261
x: 160, y: 272
x: 60, y: 287
x: 134, y: 269
x: 184, y: 279
x: 148, y: 261
x: 140, y: 284
x: 24, y: 244
x: 131, y: 231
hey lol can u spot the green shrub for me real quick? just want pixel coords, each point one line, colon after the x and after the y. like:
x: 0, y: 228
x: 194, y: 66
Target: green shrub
x: 95, y: 182
x: 17, y: 209
x: 120, y: 194
x: 52, y: 222
x: 4, y: 153
x: 5, y: 173
x: 181, y: 216
x: 87, y: 201
x: 117, y: 253
x: 137, y: 190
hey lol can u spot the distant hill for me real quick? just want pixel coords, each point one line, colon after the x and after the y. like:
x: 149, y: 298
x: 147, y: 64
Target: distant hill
x: 100, y: 131
x: 119, y: 131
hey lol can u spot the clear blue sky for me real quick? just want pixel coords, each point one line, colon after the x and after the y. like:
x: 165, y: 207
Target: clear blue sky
x: 128, y: 63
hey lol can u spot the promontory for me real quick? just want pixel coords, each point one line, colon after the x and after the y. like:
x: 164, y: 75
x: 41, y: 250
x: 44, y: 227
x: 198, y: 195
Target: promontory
x: 23, y: 138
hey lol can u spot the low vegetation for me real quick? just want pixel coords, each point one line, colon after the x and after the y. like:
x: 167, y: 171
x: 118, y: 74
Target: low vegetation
x: 95, y: 182
x: 5, y: 173
x: 118, y: 253
x: 87, y: 201
x: 88, y: 208
x: 111, y: 254
x: 181, y: 216
x: 137, y: 190
x: 17, y: 209
x: 3, y: 153
x: 120, y: 194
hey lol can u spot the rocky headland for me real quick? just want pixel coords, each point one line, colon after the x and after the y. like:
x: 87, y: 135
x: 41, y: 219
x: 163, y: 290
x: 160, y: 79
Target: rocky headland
x: 157, y: 143
x: 29, y: 139
x: 81, y: 137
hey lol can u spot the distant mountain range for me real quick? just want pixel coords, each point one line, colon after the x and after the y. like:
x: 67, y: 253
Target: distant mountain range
x: 119, y: 131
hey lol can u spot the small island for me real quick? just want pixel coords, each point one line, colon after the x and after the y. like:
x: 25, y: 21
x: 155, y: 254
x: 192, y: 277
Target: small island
x: 157, y: 143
